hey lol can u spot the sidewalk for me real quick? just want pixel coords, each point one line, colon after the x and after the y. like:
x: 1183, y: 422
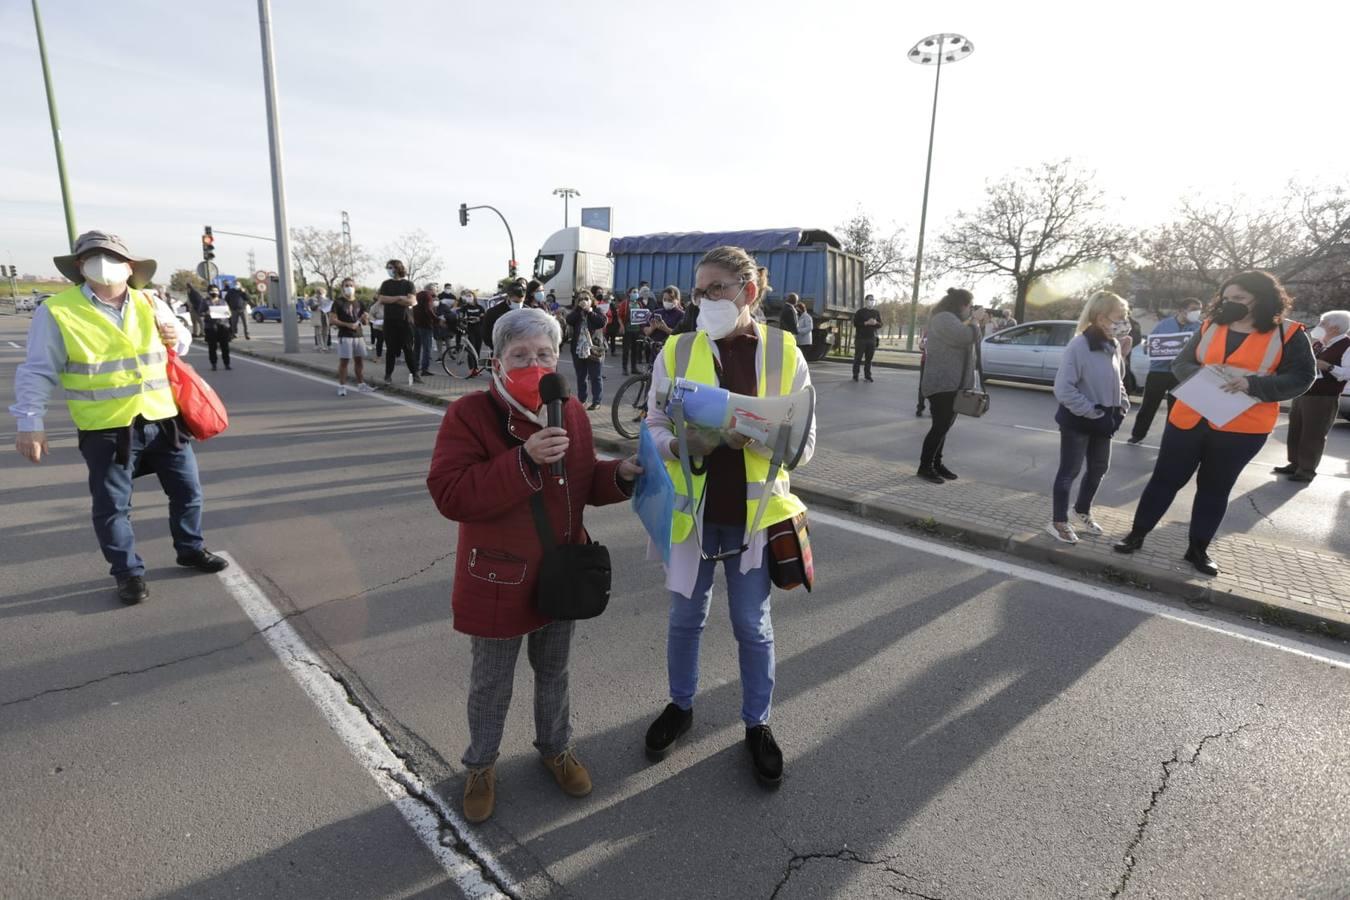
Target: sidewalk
x: 1277, y: 583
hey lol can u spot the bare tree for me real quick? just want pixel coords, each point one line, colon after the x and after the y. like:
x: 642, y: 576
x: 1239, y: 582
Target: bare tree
x: 323, y: 254
x: 885, y: 256
x: 1033, y: 224
x: 418, y: 253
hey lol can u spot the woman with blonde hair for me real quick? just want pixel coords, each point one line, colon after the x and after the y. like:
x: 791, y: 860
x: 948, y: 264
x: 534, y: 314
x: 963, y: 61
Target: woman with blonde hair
x: 1090, y: 388
x: 720, y: 479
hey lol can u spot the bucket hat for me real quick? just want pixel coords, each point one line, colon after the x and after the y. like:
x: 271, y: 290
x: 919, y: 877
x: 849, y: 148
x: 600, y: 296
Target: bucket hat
x: 142, y: 270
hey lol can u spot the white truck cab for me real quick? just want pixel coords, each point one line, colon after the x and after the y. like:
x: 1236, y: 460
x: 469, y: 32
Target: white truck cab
x: 574, y: 259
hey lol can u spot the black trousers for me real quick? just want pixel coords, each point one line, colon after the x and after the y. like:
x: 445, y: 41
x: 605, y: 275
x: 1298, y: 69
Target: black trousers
x: 399, y: 337
x: 211, y: 344
x: 862, y: 356
x: 377, y: 338
x: 238, y: 317
x: 943, y: 406
x: 1215, y: 458
x: 632, y: 351
x: 1155, y: 388
x: 919, y: 408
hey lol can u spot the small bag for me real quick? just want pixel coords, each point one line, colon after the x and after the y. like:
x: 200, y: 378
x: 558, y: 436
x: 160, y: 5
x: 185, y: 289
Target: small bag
x: 790, y: 562
x: 574, y: 579
x: 199, y: 406
x: 597, y: 346
x: 973, y: 402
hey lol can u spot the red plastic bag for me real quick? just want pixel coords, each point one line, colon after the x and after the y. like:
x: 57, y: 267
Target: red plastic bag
x: 199, y: 406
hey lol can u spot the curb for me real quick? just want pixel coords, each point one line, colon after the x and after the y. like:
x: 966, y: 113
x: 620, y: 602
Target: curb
x: 1170, y: 586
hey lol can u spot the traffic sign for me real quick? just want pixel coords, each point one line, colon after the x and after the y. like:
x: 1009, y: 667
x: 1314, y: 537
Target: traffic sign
x: 207, y: 271
x: 260, y: 276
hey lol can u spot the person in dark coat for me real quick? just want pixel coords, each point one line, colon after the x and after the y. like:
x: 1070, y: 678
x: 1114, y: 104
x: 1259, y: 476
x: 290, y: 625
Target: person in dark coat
x: 493, y: 454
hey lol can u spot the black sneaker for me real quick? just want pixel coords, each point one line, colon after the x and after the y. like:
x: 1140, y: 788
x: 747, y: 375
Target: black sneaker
x: 945, y: 472
x: 928, y: 474
x: 867, y: 378
x: 203, y: 561
x: 131, y: 589
x: 667, y: 728
x: 764, y: 755
x: 1285, y: 470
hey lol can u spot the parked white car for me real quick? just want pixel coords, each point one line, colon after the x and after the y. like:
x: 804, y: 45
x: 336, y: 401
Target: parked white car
x: 1031, y: 352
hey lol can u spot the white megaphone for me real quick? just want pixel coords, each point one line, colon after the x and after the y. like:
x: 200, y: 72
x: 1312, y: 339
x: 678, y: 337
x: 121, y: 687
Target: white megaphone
x: 781, y: 423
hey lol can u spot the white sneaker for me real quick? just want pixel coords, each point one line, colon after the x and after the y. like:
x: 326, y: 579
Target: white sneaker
x: 1063, y: 533
x: 342, y: 390
x: 365, y: 388
x: 1088, y: 524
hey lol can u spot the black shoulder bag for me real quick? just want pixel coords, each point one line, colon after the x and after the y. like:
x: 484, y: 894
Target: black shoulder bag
x: 574, y: 579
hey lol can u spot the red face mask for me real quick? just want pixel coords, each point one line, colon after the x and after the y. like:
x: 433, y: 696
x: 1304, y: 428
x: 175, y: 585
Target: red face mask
x: 523, y: 385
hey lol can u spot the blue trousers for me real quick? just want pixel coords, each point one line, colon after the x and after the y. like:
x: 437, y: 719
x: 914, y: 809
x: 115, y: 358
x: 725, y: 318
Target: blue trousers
x: 152, y: 450
x: 748, y: 599
x: 1215, y: 458
x: 426, y: 339
x: 1074, y: 448
x: 588, y: 369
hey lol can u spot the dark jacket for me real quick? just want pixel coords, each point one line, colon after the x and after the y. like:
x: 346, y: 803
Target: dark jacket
x: 482, y: 478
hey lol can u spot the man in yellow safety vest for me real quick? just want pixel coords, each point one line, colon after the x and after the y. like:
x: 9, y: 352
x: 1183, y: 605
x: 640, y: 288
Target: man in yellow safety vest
x: 104, y: 342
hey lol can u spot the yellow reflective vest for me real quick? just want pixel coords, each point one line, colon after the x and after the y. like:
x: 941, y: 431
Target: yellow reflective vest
x: 690, y: 356
x: 112, y: 375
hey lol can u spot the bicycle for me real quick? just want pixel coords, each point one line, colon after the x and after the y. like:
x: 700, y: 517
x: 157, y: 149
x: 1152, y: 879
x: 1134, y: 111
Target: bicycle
x: 460, y: 360
x: 629, y: 407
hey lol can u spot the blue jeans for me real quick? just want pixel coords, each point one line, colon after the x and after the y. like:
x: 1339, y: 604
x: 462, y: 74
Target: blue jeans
x: 1074, y: 447
x: 748, y: 599
x: 152, y: 450
x: 425, y: 341
x: 588, y: 369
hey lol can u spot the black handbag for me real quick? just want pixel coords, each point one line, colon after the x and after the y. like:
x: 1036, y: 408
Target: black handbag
x: 574, y: 579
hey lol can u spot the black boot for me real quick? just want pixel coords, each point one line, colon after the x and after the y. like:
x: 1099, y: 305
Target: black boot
x: 667, y: 728
x: 765, y: 756
x: 203, y: 560
x: 1130, y: 543
x: 1197, y: 554
x: 131, y: 589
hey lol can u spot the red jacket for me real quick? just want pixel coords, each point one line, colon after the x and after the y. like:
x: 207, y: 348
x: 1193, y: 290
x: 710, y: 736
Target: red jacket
x: 482, y: 478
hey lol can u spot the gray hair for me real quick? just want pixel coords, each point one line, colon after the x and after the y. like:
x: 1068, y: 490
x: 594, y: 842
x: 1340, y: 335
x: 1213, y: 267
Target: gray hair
x: 1338, y: 319
x: 526, y: 322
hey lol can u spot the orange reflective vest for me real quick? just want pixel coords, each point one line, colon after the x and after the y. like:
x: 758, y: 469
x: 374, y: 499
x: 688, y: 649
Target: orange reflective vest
x: 1258, y: 354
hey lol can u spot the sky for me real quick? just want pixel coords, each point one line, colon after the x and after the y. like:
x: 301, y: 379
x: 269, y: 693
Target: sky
x: 697, y: 116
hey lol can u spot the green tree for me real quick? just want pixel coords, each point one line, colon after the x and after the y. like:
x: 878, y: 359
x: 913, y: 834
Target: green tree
x: 181, y: 279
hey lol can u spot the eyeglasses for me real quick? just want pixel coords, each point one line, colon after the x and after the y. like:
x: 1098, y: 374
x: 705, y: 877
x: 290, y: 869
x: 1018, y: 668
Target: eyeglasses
x: 547, y: 360
x: 718, y: 291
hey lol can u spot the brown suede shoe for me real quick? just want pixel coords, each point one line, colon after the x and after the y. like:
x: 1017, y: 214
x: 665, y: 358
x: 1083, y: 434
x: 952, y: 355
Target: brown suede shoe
x: 480, y: 794
x: 570, y: 774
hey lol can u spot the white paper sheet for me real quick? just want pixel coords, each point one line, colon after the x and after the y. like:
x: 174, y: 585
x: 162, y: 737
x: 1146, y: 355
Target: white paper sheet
x: 1204, y: 393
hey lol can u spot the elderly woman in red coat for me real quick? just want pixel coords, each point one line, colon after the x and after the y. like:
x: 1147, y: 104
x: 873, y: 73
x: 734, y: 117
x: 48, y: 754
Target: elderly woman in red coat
x: 494, y: 453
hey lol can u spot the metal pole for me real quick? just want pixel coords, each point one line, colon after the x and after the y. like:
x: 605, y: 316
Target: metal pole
x: 566, y: 219
x: 56, y: 128
x: 290, y: 325
x: 923, y: 214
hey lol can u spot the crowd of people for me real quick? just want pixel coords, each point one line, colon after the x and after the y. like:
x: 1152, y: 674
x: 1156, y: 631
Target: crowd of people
x: 518, y: 487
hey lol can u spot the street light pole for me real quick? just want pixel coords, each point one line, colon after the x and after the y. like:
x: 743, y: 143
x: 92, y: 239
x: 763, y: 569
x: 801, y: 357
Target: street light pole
x: 289, y: 324
x: 567, y: 194
x: 56, y: 128
x: 936, y: 48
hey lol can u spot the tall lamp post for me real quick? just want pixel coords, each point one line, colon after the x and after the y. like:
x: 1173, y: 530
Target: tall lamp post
x: 567, y: 194
x: 934, y: 50
x: 56, y: 127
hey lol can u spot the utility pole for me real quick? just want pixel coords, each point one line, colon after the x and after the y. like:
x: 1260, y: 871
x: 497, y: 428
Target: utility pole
x: 285, y: 286
x: 567, y: 194
x: 347, y: 243
x: 56, y: 128
x: 252, y: 262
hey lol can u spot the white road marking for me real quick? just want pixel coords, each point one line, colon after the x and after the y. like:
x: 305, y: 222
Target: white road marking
x: 1026, y: 573
x: 1096, y: 592
x: 332, y: 382
x: 14, y: 345
x: 365, y: 742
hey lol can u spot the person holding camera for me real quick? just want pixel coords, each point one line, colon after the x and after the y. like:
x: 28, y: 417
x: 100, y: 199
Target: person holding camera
x: 1090, y: 388
x: 949, y: 367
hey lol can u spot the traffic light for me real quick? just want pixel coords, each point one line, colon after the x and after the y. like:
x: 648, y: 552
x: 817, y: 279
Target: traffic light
x: 511, y: 267
x: 464, y: 214
x: 208, y: 244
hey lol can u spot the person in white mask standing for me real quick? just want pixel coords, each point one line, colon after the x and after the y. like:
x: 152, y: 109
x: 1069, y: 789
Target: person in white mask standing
x: 722, y: 520
x: 1313, y: 414
x: 105, y: 343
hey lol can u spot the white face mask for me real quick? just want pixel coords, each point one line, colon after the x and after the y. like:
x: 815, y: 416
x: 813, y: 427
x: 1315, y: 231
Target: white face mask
x: 1120, y: 329
x: 514, y: 304
x: 718, y: 318
x: 1318, y: 334
x: 1193, y: 316
x: 668, y: 304
x: 390, y: 273
x: 585, y: 307
x: 538, y: 296
x: 349, y: 291
x: 106, y: 270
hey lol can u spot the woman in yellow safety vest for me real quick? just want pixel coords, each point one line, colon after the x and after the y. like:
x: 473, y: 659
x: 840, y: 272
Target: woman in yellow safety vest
x: 1263, y: 356
x: 721, y: 521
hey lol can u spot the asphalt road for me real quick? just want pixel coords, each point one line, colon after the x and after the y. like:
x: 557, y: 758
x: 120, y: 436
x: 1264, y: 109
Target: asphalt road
x: 956, y: 725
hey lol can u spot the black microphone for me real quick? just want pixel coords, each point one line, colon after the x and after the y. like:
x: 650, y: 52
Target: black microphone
x: 553, y: 390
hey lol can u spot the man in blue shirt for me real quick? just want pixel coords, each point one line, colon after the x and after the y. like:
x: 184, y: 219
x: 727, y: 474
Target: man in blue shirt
x: 1160, y: 377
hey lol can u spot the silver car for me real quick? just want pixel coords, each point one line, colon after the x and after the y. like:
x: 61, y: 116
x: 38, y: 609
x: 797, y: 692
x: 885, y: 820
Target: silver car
x: 1032, y: 352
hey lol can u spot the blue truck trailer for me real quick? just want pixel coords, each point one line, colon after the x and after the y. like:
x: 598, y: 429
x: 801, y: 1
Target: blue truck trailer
x: 807, y: 262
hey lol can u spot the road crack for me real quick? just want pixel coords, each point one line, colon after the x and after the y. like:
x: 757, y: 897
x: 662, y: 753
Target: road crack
x: 295, y: 613
x: 1168, y: 766
x: 1264, y: 518
x: 844, y: 854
